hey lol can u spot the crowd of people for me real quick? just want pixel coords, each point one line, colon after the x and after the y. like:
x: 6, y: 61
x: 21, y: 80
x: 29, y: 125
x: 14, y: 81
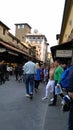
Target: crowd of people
x: 33, y: 74
x: 5, y: 71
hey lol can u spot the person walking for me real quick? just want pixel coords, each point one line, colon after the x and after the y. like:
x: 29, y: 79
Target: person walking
x: 16, y: 72
x: 45, y: 74
x: 20, y: 72
x: 51, y: 82
x: 29, y: 71
x: 57, y: 75
x: 37, y: 78
x: 2, y: 72
x: 42, y: 73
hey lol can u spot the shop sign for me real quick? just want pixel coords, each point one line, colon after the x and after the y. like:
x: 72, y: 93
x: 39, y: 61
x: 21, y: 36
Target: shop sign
x: 63, y: 53
x: 2, y: 50
x: 12, y: 53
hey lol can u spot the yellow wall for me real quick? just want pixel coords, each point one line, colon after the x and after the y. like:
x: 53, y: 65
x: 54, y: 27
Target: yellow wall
x: 68, y: 27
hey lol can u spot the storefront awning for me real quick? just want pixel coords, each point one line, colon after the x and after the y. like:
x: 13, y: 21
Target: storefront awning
x: 13, y: 48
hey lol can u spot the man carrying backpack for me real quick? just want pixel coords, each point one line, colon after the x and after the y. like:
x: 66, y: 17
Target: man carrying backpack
x: 70, y: 122
x: 67, y: 83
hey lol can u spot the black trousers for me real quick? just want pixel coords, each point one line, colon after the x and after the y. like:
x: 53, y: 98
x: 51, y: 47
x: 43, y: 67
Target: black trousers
x: 37, y: 82
x: 70, y: 120
x: 2, y: 79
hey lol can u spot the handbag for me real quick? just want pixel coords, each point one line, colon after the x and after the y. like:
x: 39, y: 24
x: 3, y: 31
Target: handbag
x: 58, y: 89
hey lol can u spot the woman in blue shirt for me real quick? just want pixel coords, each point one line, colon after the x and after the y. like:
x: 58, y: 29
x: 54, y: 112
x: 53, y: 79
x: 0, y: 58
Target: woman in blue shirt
x: 37, y: 77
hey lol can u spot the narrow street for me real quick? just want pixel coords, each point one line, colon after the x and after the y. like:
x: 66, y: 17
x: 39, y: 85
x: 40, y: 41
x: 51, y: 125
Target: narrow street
x: 17, y: 112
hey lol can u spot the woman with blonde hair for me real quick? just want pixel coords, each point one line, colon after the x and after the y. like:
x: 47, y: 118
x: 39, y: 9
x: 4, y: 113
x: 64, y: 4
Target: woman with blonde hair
x: 51, y: 82
x: 37, y: 77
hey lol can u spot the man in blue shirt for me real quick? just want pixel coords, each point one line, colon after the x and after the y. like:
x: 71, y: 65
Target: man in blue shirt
x: 29, y: 71
x: 70, y: 93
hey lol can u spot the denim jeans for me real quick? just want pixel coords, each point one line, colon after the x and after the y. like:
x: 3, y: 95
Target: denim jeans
x: 29, y: 82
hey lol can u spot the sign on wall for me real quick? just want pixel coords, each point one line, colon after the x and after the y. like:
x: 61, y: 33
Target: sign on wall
x: 63, y: 53
x: 2, y: 50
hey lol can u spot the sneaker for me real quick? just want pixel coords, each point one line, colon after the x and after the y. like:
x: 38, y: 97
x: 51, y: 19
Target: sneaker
x: 51, y: 99
x: 44, y: 98
x: 31, y: 96
x: 53, y: 104
x: 27, y: 95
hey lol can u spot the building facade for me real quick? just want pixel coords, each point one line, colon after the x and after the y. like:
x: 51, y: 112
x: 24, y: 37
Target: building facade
x: 67, y: 23
x: 64, y: 49
x: 21, y: 30
x: 39, y: 41
x: 11, y: 48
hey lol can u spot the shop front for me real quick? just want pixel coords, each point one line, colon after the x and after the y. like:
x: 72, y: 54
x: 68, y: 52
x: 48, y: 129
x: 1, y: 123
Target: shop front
x: 11, y: 54
x: 64, y: 52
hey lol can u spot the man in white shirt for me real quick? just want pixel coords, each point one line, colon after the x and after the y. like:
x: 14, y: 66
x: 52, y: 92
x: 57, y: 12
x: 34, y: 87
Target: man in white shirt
x: 29, y: 71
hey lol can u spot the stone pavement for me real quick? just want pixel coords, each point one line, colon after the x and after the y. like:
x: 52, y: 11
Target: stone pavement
x: 17, y: 112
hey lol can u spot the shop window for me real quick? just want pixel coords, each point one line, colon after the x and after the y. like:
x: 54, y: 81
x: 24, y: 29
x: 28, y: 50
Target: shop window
x: 4, y: 31
x: 22, y: 26
x: 70, y: 22
x: 18, y: 26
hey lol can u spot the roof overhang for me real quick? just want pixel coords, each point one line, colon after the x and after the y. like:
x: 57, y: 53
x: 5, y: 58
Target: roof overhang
x: 13, y: 48
x: 4, y: 25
